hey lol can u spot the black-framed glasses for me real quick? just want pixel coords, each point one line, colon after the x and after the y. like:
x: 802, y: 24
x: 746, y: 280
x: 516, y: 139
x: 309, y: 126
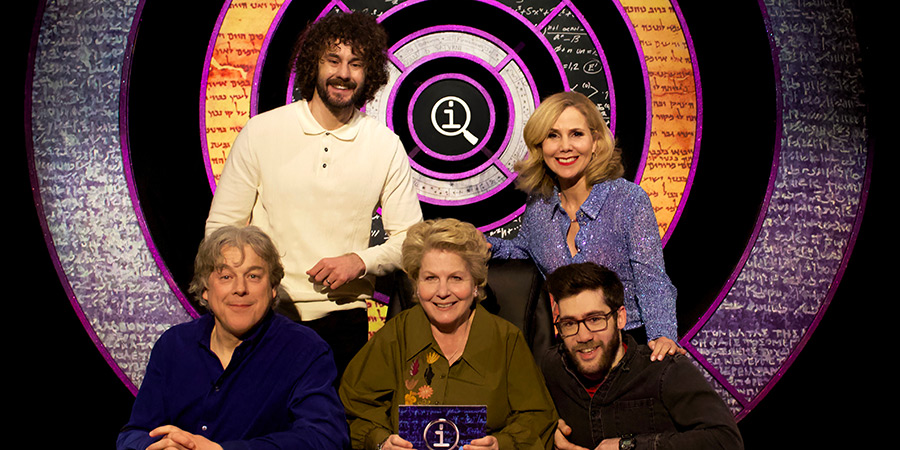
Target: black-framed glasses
x: 594, y: 322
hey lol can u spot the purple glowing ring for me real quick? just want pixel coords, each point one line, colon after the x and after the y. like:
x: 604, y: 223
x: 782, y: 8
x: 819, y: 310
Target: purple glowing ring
x: 481, y: 142
x: 510, y: 107
x: 504, y: 64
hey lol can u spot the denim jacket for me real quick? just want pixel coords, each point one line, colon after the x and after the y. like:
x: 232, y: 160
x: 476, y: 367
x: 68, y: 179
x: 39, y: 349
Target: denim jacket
x: 665, y: 404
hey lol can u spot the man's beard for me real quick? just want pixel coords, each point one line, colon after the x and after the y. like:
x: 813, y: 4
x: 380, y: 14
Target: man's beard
x: 600, y: 367
x: 334, y: 103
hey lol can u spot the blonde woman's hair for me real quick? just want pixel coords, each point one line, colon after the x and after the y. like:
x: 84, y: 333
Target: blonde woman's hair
x: 534, y: 175
x: 451, y: 235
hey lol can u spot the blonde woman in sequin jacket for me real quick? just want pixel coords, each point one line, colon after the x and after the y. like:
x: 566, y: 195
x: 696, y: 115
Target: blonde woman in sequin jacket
x: 580, y: 209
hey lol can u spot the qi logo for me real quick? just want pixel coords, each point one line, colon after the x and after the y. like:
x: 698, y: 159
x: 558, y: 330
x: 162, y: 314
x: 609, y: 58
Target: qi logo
x: 441, y: 434
x: 451, y: 128
x: 451, y: 117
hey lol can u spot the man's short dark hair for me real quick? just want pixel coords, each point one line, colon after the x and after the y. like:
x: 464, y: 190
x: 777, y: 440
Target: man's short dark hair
x: 573, y: 279
x: 361, y: 32
x: 210, y: 258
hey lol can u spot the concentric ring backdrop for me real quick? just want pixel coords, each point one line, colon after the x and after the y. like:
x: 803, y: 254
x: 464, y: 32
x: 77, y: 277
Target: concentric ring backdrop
x: 777, y: 173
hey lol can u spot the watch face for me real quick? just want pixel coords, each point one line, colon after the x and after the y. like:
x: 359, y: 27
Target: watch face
x: 626, y: 443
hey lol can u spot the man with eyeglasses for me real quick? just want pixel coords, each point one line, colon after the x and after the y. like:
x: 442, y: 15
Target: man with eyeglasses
x: 608, y: 391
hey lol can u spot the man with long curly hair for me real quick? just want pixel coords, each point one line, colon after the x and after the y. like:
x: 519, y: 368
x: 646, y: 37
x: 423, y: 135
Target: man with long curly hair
x: 311, y: 174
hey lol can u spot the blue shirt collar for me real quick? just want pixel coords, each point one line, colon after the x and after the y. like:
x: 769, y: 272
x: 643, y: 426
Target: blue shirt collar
x: 207, y: 321
x: 591, y: 206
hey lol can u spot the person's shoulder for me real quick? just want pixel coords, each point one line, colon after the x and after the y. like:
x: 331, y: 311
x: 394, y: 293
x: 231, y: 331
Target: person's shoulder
x: 186, y: 329
x: 274, y: 115
x: 271, y: 121
x: 290, y: 330
x: 397, y: 325
x: 622, y: 186
x: 395, y: 328
x: 293, y: 350
x: 537, y: 204
x: 370, y: 121
x: 550, y: 360
x: 641, y: 361
x: 372, y: 128
x: 504, y: 328
x: 295, y: 340
x: 179, y: 334
x: 682, y: 363
x: 625, y: 192
x: 535, y: 198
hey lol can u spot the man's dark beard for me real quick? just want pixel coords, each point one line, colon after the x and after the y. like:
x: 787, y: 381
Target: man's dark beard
x: 606, y: 359
x: 336, y: 106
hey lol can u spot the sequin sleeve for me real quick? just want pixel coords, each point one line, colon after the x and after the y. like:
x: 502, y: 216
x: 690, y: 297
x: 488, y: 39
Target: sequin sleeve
x: 515, y: 248
x: 654, y: 291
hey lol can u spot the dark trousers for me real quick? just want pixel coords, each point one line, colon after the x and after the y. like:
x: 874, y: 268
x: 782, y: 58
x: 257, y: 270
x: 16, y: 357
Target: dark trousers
x: 345, y: 331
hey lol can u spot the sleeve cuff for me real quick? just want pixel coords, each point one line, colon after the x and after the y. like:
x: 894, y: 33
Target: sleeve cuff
x: 377, y: 436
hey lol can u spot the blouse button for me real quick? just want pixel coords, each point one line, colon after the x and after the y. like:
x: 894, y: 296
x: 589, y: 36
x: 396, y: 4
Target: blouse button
x: 324, y: 165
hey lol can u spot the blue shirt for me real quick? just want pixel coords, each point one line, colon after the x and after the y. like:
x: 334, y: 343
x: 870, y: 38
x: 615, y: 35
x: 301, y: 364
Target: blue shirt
x: 617, y: 229
x: 277, y: 391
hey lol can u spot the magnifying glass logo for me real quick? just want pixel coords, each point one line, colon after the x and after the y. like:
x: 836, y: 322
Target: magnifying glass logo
x: 451, y: 128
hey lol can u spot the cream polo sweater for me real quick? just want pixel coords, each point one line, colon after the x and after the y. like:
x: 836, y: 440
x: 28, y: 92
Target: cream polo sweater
x: 314, y: 193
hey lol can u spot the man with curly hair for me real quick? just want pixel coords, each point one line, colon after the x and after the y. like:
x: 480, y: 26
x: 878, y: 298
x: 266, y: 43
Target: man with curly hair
x: 312, y: 173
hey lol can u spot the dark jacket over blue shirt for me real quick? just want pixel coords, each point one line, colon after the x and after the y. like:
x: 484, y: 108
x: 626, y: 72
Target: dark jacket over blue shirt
x: 277, y: 391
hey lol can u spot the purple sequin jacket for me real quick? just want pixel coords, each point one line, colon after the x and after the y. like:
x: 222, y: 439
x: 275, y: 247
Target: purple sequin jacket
x: 618, y: 229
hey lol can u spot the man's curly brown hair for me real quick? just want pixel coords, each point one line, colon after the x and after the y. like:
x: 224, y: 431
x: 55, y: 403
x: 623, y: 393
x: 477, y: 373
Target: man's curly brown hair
x: 361, y: 32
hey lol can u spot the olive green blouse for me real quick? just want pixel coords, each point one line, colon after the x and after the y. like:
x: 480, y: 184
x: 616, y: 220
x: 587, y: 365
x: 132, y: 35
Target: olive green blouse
x: 403, y: 364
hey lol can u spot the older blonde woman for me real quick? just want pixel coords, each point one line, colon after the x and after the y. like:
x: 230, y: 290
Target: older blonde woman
x: 580, y: 209
x: 447, y: 350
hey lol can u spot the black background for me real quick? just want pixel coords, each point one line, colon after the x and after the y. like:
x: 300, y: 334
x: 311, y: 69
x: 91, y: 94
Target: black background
x: 64, y: 392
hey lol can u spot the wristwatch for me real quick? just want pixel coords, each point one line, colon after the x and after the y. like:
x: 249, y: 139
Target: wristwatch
x: 626, y: 442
